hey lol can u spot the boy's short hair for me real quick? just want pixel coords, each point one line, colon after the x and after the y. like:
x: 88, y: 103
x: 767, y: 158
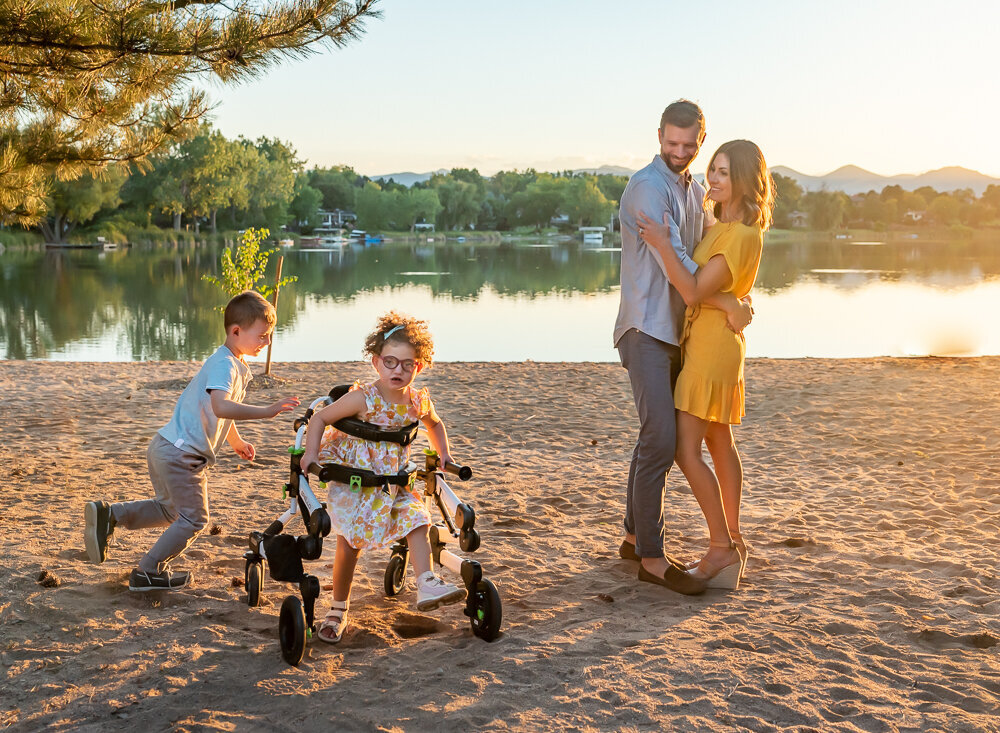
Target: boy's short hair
x: 684, y: 114
x: 247, y: 308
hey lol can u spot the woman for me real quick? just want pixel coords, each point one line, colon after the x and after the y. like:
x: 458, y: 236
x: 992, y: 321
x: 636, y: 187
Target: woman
x: 710, y: 391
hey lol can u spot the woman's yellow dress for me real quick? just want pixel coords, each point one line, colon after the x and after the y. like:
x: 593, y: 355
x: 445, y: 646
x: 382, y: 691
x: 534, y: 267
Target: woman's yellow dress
x: 710, y: 385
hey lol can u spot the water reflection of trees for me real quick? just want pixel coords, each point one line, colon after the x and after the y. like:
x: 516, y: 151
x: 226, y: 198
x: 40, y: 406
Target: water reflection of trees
x: 155, y: 305
x: 459, y: 271
x: 945, y: 264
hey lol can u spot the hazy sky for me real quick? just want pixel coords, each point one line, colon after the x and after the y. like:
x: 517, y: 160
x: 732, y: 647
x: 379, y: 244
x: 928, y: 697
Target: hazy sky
x: 891, y: 85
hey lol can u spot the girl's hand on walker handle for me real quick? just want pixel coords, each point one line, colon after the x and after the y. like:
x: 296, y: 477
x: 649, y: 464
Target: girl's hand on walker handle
x: 307, y: 460
x: 653, y: 234
x: 289, y: 403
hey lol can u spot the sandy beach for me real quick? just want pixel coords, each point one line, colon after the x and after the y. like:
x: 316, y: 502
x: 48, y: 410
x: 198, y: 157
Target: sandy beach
x: 871, y: 600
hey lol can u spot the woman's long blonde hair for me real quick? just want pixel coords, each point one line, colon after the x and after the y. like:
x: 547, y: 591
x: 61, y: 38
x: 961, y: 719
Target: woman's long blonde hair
x: 752, y: 185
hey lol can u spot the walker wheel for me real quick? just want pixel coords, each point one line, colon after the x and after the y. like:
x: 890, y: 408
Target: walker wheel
x: 292, y: 630
x: 254, y: 581
x: 395, y: 575
x: 486, y: 611
x: 468, y: 540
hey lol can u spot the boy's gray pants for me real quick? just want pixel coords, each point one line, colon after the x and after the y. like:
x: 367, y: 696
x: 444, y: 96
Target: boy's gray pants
x: 652, y: 366
x: 180, y: 481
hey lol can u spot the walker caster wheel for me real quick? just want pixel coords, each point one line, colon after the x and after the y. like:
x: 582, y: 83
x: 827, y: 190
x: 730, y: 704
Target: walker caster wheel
x: 485, y: 611
x: 292, y: 630
x: 395, y: 575
x: 469, y: 540
x: 254, y: 582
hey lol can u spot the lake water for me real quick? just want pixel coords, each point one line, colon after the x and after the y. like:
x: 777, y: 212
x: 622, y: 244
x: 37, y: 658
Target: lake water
x: 539, y: 300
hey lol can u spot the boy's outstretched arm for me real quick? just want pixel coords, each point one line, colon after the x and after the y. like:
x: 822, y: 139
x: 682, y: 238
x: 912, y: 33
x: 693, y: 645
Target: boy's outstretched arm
x: 243, y: 449
x: 227, y: 409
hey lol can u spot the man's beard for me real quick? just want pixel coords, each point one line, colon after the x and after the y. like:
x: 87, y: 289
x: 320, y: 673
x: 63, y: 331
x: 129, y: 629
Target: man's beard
x: 677, y: 169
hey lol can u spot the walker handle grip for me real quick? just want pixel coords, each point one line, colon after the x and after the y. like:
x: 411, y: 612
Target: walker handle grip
x: 464, y: 473
x: 314, y: 468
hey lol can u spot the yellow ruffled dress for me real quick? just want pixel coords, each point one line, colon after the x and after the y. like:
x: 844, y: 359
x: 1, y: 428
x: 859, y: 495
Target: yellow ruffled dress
x: 710, y: 385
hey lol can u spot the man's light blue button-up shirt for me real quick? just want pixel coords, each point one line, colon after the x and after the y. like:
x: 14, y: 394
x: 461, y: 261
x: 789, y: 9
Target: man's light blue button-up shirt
x: 649, y: 302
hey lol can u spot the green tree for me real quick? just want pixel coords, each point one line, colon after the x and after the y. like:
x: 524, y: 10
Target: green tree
x: 460, y: 201
x: 77, y: 201
x: 892, y: 192
x: 875, y: 210
x: 87, y: 84
x: 245, y: 268
x: 372, y: 207
x: 539, y: 202
x: 788, y: 198
x: 991, y: 196
x: 416, y: 205
x: 272, y: 182
x: 338, y: 184
x: 911, y: 202
x: 304, y: 208
x: 826, y: 208
x: 945, y: 209
x: 612, y: 187
x: 583, y: 202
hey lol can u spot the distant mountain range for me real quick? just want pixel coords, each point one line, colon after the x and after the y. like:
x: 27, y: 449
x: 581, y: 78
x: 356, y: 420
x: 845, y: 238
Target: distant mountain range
x: 850, y: 178
x: 408, y: 179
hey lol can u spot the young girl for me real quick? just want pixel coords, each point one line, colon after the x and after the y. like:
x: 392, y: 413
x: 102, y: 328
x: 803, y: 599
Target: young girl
x: 370, y: 517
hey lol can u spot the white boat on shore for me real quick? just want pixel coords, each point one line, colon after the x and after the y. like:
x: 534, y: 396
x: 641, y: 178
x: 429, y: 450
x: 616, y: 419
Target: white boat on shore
x: 593, y: 235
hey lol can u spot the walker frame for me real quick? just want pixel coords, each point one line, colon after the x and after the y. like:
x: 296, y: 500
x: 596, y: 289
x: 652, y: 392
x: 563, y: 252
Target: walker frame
x: 296, y: 620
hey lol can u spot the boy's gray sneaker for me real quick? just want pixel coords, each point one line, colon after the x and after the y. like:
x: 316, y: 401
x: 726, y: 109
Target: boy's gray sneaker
x: 142, y: 581
x: 98, y: 528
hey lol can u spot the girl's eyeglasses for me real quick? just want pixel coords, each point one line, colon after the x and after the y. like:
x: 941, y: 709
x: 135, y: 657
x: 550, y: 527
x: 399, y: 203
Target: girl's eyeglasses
x: 391, y: 362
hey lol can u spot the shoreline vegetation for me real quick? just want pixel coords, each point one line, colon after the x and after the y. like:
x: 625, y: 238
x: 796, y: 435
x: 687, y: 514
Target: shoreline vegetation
x: 210, y: 186
x: 152, y: 236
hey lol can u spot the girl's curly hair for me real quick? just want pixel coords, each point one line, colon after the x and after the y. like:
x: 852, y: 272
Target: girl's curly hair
x: 413, y: 332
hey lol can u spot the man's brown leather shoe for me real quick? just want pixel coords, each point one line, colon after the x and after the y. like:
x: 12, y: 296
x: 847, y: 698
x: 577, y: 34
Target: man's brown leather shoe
x: 676, y: 580
x: 626, y: 551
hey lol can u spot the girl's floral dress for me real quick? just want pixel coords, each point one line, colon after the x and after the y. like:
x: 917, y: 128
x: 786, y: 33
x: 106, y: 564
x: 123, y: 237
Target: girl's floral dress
x: 369, y: 517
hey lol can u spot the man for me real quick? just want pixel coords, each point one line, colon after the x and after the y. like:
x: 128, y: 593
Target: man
x: 648, y: 329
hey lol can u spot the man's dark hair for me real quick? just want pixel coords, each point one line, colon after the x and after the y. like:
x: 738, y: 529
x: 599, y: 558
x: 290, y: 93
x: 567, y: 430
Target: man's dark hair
x: 683, y: 113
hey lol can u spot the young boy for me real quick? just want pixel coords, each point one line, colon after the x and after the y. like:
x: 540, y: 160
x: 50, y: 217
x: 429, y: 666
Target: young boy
x: 181, y: 453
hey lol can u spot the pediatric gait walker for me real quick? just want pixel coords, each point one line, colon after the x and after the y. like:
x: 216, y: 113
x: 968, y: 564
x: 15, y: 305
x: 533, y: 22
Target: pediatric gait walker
x: 284, y: 553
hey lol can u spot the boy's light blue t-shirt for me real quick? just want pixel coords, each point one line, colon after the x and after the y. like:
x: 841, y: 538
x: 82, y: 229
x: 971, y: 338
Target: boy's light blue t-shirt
x: 194, y: 427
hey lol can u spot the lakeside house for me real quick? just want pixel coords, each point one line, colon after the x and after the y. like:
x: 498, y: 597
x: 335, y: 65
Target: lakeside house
x: 593, y: 235
x: 334, y: 221
x: 798, y: 219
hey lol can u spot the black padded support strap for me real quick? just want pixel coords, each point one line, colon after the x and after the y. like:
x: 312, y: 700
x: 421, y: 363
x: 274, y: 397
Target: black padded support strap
x: 369, y: 431
x: 360, y: 477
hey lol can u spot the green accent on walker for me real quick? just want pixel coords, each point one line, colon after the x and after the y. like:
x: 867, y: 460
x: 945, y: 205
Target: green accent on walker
x: 355, y: 483
x: 296, y: 451
x: 284, y: 491
x: 480, y: 614
x: 430, y: 452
